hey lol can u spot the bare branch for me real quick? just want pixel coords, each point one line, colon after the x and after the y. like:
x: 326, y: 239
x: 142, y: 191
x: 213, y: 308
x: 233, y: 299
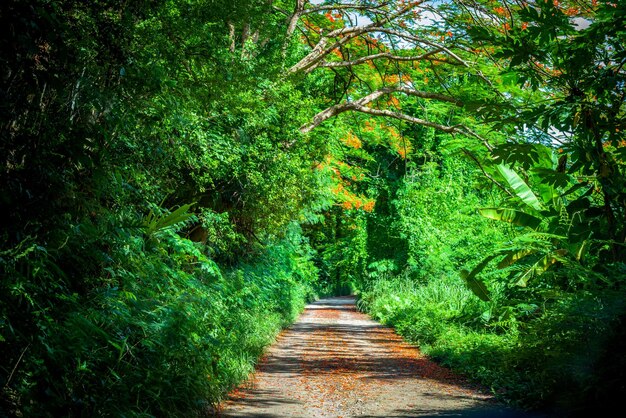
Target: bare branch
x: 362, y: 60
x: 231, y: 36
x: 494, y: 181
x: 312, y: 60
x: 359, y: 105
x: 293, y: 20
x: 422, y: 94
x: 338, y: 109
x: 279, y: 10
x: 411, y: 119
x: 345, y: 35
x: 419, y: 40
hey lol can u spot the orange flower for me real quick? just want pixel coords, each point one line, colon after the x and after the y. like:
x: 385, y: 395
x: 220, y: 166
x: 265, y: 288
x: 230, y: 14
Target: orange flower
x: 500, y: 11
x: 369, y: 206
x: 392, y: 78
x: 393, y: 102
x: 524, y: 25
x: 352, y: 140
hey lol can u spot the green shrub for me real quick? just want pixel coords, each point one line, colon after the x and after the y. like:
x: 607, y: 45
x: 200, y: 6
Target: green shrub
x: 549, y: 357
x: 167, y: 332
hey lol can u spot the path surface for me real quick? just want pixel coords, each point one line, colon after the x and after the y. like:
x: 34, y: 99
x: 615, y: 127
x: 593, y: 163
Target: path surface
x: 336, y: 362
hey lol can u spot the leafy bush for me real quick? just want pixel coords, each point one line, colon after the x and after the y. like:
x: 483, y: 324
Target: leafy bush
x: 169, y: 333
x: 553, y: 357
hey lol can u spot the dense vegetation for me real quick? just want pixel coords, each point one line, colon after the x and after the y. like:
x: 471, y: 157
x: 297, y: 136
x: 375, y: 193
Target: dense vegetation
x: 179, y: 178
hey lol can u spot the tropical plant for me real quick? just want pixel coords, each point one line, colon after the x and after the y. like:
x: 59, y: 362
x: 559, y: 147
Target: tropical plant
x: 556, y: 230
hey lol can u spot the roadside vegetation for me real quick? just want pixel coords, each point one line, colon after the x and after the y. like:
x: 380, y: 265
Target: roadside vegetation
x: 179, y: 178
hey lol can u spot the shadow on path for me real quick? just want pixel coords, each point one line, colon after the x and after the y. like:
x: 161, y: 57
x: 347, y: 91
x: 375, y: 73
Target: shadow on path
x: 336, y: 362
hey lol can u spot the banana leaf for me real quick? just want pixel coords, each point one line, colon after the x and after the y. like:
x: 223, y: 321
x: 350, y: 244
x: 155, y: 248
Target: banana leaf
x: 516, y: 217
x: 519, y: 186
x: 513, y: 257
x: 539, y: 267
x: 475, y: 285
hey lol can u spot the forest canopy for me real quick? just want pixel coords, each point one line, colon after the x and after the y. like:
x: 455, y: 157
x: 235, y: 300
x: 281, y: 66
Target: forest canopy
x: 180, y: 177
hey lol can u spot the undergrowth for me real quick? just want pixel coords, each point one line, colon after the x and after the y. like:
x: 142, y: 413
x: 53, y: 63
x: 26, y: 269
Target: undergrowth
x: 538, y: 357
x: 168, y: 332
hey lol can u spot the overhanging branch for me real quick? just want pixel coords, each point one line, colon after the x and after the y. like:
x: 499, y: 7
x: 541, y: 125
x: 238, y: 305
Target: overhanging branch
x: 360, y: 106
x: 341, y: 37
x: 389, y: 56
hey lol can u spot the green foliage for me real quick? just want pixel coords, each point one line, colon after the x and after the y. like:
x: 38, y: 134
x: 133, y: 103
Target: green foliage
x: 549, y: 274
x: 513, y: 216
x: 436, y: 208
x: 120, y: 297
x: 169, y: 332
x: 153, y: 223
x: 520, y: 188
x: 555, y: 236
x: 110, y: 303
x: 528, y: 354
x: 421, y: 312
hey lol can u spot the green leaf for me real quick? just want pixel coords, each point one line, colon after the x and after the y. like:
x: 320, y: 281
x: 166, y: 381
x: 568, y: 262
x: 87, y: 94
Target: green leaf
x: 513, y: 257
x: 475, y: 285
x: 575, y: 188
x: 539, y: 267
x: 513, y: 216
x: 582, y: 250
x: 154, y: 224
x: 519, y: 186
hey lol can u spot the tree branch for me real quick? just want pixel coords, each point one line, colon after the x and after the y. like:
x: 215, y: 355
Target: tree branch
x: 389, y: 56
x: 359, y: 105
x: 345, y: 35
x: 407, y: 118
x: 293, y: 20
x: 494, y: 181
x: 419, y: 40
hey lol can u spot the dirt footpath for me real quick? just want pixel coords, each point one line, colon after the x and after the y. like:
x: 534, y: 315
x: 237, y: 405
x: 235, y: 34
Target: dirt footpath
x: 336, y: 362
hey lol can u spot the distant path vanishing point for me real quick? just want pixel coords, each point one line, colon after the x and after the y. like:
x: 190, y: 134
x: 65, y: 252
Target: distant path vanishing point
x: 336, y: 362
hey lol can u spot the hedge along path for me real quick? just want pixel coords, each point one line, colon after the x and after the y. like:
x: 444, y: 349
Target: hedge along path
x: 336, y: 362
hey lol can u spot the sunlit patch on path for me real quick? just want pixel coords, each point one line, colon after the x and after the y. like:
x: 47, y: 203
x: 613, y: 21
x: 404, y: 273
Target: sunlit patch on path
x: 336, y: 362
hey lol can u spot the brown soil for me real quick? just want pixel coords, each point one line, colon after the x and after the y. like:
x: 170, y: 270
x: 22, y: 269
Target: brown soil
x: 336, y: 362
